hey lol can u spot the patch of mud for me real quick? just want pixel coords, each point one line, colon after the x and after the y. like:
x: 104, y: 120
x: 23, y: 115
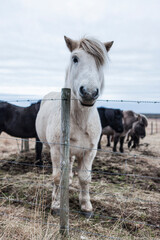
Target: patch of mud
x: 25, y: 162
x: 119, y: 169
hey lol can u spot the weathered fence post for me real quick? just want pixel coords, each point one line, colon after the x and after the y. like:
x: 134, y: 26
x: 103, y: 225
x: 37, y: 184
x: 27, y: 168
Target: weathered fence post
x: 156, y: 126
x: 24, y: 145
x: 151, y: 128
x: 64, y: 149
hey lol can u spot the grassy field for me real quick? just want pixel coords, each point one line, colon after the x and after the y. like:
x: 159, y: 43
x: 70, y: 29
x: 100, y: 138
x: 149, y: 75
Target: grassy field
x: 125, y: 193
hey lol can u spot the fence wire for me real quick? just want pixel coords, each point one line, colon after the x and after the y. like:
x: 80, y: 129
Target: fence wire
x: 73, y: 229
x: 128, y: 154
x: 118, y: 197
x: 91, y: 171
x: 74, y: 99
x: 94, y: 215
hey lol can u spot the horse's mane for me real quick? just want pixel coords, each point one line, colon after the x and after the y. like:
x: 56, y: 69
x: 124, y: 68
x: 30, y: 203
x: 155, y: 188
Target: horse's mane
x: 3, y: 103
x: 144, y: 119
x: 32, y: 104
x: 129, y: 113
x: 95, y: 48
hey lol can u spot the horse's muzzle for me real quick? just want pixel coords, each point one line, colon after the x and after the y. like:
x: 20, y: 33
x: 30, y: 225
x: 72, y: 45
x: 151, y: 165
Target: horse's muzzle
x: 88, y: 97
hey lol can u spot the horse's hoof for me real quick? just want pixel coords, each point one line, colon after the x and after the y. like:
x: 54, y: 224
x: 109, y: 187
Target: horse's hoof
x: 87, y: 214
x: 55, y: 212
x: 39, y: 163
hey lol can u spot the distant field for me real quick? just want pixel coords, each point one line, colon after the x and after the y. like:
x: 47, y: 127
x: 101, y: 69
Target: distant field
x: 153, y: 125
x: 125, y: 192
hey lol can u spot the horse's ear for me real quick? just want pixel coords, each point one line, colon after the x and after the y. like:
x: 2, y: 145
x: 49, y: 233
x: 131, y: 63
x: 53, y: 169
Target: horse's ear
x: 139, y: 118
x: 144, y: 120
x: 108, y: 45
x: 71, y: 44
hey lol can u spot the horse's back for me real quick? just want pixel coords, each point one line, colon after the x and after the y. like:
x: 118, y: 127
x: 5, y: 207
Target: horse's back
x: 18, y: 121
x: 48, y: 117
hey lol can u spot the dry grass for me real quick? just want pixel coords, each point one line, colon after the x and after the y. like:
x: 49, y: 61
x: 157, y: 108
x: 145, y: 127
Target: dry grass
x: 124, y: 207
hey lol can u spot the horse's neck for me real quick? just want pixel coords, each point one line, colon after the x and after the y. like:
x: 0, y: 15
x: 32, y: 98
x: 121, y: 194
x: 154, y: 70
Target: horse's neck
x: 80, y: 114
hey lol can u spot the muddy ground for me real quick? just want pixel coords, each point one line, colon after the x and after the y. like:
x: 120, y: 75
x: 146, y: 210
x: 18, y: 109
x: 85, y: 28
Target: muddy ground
x: 125, y: 193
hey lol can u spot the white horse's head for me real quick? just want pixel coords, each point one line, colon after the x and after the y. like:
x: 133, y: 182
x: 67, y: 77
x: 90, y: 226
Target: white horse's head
x: 85, y: 73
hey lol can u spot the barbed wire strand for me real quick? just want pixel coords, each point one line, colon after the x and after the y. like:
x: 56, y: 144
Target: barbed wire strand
x: 92, y: 171
x: 52, y: 224
x: 93, y: 193
x: 79, y: 147
x: 117, y: 196
x: 100, y: 216
x: 74, y: 99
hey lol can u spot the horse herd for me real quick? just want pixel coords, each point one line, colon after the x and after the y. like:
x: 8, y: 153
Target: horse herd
x: 118, y: 124
x: 41, y: 120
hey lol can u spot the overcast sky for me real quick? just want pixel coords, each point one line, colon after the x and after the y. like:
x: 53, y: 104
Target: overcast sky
x: 34, y: 57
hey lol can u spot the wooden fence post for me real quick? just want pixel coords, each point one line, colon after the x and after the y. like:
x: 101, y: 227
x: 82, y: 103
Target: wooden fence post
x: 64, y: 158
x: 151, y: 128
x: 24, y: 145
x: 156, y: 126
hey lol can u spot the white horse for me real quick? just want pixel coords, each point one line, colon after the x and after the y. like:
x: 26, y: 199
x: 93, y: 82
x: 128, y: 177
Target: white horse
x: 85, y: 78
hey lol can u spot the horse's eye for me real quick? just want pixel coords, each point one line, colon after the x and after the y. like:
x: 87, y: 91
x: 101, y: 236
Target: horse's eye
x: 75, y: 59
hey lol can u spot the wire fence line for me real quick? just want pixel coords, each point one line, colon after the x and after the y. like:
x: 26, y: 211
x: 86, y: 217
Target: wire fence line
x: 94, y: 215
x: 73, y: 229
x: 74, y: 99
x: 91, y: 171
x: 117, y: 196
x: 98, y: 172
x: 128, y: 155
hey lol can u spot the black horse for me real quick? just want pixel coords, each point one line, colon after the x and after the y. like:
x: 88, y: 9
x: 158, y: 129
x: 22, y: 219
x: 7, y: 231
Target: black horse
x: 110, y: 117
x: 20, y: 122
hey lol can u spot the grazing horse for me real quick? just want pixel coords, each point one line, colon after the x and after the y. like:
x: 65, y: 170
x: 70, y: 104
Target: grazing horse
x: 132, y: 120
x: 20, y: 122
x: 137, y: 131
x: 85, y: 78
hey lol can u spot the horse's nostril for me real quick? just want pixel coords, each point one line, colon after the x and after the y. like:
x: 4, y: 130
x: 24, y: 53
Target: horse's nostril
x: 82, y: 91
x: 95, y: 93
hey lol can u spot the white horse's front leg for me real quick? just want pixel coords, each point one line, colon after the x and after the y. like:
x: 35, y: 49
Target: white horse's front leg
x: 84, y: 174
x: 72, y: 159
x: 55, y: 157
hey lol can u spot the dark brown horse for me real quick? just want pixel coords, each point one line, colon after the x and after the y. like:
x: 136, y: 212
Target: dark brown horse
x: 20, y: 122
